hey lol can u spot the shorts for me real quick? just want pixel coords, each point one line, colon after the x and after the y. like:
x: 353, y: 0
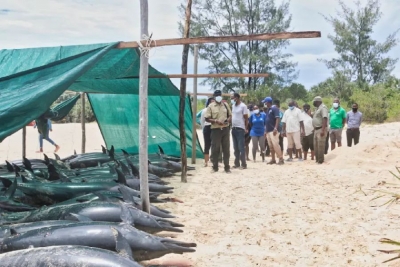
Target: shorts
x: 294, y: 140
x: 336, y: 135
x: 307, y: 142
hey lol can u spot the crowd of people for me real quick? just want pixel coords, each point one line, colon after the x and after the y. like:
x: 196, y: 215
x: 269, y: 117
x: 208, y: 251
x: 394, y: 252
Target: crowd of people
x: 266, y: 125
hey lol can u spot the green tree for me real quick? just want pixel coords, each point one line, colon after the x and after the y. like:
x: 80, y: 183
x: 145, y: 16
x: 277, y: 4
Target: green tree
x: 229, y: 17
x: 361, y: 58
x: 337, y: 86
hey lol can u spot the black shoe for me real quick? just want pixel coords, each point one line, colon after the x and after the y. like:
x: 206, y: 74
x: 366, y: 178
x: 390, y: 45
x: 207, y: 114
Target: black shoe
x: 243, y: 167
x: 228, y: 171
x: 236, y: 167
x: 214, y: 170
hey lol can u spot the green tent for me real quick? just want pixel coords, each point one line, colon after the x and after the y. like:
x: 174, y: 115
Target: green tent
x: 32, y: 79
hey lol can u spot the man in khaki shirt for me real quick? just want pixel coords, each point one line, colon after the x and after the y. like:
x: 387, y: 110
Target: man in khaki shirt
x: 219, y: 115
x: 320, y: 123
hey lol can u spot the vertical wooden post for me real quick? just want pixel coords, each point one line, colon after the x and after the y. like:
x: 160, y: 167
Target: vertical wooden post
x: 24, y: 141
x: 182, y: 99
x: 83, y: 121
x: 194, y: 107
x: 143, y: 112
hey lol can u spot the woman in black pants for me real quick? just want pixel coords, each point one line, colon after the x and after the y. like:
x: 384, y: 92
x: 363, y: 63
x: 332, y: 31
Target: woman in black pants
x: 206, y: 126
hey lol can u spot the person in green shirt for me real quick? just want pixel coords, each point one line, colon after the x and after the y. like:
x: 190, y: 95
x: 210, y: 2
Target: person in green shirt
x: 337, y: 120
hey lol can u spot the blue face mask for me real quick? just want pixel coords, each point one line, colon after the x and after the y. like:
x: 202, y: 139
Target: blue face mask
x: 291, y: 107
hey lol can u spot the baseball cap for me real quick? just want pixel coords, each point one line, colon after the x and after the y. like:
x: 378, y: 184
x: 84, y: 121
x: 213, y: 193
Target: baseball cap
x: 267, y: 99
x: 317, y: 98
x: 217, y: 93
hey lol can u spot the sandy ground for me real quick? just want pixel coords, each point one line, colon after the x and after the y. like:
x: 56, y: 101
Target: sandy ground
x: 299, y: 214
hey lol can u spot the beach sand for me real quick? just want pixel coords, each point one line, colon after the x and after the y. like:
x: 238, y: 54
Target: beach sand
x: 299, y: 214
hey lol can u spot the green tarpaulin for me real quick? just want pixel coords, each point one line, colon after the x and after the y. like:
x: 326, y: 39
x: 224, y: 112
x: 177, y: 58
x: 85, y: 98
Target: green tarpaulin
x: 62, y: 109
x: 32, y: 79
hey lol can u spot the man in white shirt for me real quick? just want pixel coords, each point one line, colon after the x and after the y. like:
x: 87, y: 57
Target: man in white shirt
x: 293, y: 129
x: 307, y: 141
x: 240, y: 120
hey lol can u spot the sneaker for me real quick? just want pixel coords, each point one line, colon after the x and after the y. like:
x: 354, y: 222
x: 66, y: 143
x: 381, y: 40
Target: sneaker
x: 289, y: 159
x: 243, y: 167
x: 300, y: 159
x: 281, y: 162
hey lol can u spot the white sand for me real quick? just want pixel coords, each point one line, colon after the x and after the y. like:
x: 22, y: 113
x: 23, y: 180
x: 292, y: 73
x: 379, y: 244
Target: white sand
x: 299, y: 214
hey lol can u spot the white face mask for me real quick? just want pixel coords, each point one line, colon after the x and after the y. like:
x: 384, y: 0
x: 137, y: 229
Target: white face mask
x: 335, y: 105
x: 256, y: 111
x: 218, y: 99
x: 233, y: 101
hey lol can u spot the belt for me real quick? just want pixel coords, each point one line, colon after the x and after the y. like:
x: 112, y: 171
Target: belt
x: 317, y: 128
x: 220, y: 128
x: 237, y: 128
x: 353, y: 128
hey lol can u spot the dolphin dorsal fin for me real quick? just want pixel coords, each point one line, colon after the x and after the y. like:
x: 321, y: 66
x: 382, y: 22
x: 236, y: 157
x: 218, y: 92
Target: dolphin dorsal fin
x: 121, y: 244
x: 11, y: 190
x: 81, y: 218
x: 126, y: 194
x: 126, y: 215
x: 9, y: 167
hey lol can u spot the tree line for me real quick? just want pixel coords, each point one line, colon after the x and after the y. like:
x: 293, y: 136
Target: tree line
x: 361, y: 72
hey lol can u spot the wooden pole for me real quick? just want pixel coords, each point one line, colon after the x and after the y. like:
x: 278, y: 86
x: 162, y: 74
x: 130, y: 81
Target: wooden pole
x: 223, y: 39
x: 182, y: 98
x: 194, y: 132
x: 24, y: 141
x: 210, y: 75
x: 83, y: 121
x: 143, y: 112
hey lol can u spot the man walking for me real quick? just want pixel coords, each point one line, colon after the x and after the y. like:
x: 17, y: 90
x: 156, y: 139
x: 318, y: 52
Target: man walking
x: 240, y: 120
x: 219, y: 115
x: 337, y: 120
x: 293, y: 129
x: 320, y: 123
x: 354, y: 119
x: 272, y: 125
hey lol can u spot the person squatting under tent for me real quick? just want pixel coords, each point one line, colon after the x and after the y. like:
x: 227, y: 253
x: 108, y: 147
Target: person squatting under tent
x: 43, y: 124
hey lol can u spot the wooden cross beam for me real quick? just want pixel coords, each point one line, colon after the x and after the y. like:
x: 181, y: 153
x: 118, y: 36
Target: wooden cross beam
x: 222, y: 39
x: 210, y: 94
x: 212, y: 75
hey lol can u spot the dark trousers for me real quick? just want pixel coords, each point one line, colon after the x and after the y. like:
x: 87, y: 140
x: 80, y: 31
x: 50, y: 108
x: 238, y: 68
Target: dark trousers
x: 327, y: 143
x: 220, y: 139
x: 207, y: 139
x: 268, y: 151
x: 239, y: 146
x: 353, y: 134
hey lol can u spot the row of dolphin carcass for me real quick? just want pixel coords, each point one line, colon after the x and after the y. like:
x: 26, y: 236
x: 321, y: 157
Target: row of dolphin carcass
x: 85, y: 210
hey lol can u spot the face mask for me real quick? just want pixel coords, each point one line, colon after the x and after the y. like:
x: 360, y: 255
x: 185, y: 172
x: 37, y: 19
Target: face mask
x: 218, y: 99
x: 291, y: 107
x: 355, y: 110
x: 233, y: 101
x: 256, y: 111
x: 335, y: 105
x: 315, y: 104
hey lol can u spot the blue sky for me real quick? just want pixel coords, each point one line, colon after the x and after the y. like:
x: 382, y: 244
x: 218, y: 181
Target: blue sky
x: 37, y: 23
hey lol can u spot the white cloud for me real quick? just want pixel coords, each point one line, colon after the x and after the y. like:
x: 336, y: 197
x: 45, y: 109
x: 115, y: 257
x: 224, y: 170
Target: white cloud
x: 37, y: 23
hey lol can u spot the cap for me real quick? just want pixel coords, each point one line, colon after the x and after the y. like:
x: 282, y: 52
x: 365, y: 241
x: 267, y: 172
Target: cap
x: 317, y: 98
x: 217, y: 93
x: 267, y: 99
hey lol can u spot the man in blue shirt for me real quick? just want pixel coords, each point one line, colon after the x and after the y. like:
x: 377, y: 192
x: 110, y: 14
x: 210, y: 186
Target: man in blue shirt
x: 272, y: 133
